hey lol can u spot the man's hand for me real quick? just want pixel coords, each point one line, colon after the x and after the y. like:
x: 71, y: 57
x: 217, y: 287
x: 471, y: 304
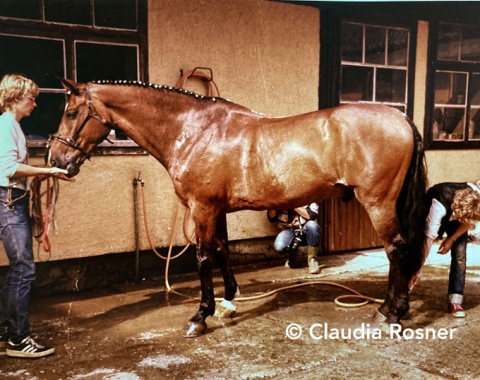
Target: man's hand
x: 63, y: 177
x: 445, y: 246
x: 56, y: 173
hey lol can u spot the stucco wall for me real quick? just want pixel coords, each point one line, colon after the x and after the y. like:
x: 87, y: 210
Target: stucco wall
x: 264, y: 55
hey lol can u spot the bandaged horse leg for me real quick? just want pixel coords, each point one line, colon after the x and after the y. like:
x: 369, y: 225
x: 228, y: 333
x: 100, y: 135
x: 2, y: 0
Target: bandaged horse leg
x: 226, y: 308
x: 197, y: 325
x: 206, y: 220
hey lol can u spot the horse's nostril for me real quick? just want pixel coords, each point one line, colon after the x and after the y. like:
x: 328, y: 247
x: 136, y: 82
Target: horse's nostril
x: 53, y: 162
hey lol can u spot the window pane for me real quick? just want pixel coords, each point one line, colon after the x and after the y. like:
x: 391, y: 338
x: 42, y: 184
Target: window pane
x: 470, y: 44
x: 474, y: 126
x: 397, y: 47
x: 450, y: 87
x: 113, y: 62
x: 28, y: 9
x: 68, y: 12
x: 449, y: 42
x: 40, y: 60
x: 450, y: 106
x: 357, y: 83
x: 391, y: 85
x: 475, y: 90
x: 122, y: 15
x: 45, y: 118
x: 452, y: 123
x: 448, y: 124
x: 352, y: 42
x: 375, y: 45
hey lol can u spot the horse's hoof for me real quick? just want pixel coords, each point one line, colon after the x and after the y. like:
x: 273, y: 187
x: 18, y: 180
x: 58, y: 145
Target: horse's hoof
x: 194, y: 329
x: 378, y: 318
x: 226, y: 309
x: 379, y: 322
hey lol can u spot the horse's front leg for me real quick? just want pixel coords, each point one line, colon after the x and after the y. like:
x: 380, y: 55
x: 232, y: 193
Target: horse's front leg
x: 197, y: 325
x: 396, y: 303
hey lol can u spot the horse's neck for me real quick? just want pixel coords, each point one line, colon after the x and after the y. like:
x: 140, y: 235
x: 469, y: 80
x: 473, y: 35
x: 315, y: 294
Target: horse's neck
x: 155, y: 120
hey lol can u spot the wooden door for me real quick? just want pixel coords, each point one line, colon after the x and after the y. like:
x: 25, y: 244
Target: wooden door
x: 346, y: 226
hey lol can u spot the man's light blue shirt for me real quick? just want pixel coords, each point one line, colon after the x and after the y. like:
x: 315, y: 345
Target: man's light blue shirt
x: 13, y: 151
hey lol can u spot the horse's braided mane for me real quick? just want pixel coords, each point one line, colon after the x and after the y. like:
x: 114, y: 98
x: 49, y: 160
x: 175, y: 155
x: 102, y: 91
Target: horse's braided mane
x: 158, y: 87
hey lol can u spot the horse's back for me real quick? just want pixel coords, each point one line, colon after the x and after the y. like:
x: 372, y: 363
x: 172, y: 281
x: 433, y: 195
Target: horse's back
x: 371, y: 122
x: 317, y: 155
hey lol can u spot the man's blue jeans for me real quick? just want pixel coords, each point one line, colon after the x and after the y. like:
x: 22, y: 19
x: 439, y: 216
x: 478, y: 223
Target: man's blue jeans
x: 16, y: 236
x: 310, y: 236
x: 458, y: 266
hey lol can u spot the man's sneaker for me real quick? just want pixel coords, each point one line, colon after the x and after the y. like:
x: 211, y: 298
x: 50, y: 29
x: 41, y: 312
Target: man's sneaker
x: 28, y: 348
x: 456, y: 310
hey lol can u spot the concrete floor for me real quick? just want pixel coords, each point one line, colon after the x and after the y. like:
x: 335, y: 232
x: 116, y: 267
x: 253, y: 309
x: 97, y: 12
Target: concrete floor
x: 132, y: 331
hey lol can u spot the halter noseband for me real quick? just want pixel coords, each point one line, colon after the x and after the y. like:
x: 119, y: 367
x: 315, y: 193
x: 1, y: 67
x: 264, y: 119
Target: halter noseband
x: 72, y: 142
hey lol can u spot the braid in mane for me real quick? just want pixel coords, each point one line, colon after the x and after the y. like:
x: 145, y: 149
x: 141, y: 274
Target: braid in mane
x: 157, y: 87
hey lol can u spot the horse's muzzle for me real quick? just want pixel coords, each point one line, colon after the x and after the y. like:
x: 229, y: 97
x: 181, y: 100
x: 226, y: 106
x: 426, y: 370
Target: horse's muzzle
x: 72, y: 168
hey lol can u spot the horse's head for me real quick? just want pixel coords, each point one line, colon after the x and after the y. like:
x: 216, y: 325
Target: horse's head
x: 81, y: 129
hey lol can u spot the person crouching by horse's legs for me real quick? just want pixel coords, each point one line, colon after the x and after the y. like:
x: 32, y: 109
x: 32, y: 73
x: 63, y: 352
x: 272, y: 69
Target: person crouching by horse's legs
x: 454, y: 209
x: 17, y: 100
x: 299, y: 227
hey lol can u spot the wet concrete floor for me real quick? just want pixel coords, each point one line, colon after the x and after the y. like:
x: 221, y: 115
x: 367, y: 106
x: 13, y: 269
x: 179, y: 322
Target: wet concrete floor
x: 133, y: 331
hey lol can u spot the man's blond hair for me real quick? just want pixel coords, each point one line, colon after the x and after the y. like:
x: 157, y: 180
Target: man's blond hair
x: 14, y: 87
x: 466, y: 205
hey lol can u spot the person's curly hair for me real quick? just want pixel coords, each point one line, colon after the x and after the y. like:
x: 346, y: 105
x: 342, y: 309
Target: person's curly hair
x: 14, y: 87
x: 466, y: 205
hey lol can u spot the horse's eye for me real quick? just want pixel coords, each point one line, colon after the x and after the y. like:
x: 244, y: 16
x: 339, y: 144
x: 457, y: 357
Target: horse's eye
x: 72, y: 114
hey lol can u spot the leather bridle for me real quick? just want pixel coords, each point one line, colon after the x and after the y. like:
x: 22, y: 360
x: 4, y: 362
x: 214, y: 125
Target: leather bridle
x: 72, y: 142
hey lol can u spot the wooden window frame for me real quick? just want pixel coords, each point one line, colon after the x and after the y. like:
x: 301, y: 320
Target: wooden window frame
x: 331, y: 62
x: 436, y: 65
x: 70, y: 34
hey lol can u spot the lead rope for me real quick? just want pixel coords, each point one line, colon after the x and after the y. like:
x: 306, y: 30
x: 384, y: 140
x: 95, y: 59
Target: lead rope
x: 43, y: 213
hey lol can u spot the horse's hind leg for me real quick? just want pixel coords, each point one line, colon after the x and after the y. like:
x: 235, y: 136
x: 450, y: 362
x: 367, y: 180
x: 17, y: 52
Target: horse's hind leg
x: 226, y: 308
x: 396, y: 303
x: 385, y: 221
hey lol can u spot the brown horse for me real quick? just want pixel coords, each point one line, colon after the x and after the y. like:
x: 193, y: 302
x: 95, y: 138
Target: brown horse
x: 224, y: 158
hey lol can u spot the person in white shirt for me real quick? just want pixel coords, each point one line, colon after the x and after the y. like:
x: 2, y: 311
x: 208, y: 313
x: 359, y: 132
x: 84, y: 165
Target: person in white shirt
x: 17, y: 100
x: 454, y: 209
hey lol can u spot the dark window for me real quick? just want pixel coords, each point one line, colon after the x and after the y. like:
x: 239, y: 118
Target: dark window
x: 118, y: 14
x: 100, y: 61
x: 40, y: 59
x: 26, y: 9
x: 123, y: 15
x: 455, y: 94
x: 374, y: 64
x: 83, y: 40
x: 68, y: 12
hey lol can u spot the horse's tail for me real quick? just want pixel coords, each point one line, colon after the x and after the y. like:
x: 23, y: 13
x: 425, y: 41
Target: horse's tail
x: 411, y: 205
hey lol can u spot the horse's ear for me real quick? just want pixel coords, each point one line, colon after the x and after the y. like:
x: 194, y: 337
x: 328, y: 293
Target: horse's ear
x: 70, y: 85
